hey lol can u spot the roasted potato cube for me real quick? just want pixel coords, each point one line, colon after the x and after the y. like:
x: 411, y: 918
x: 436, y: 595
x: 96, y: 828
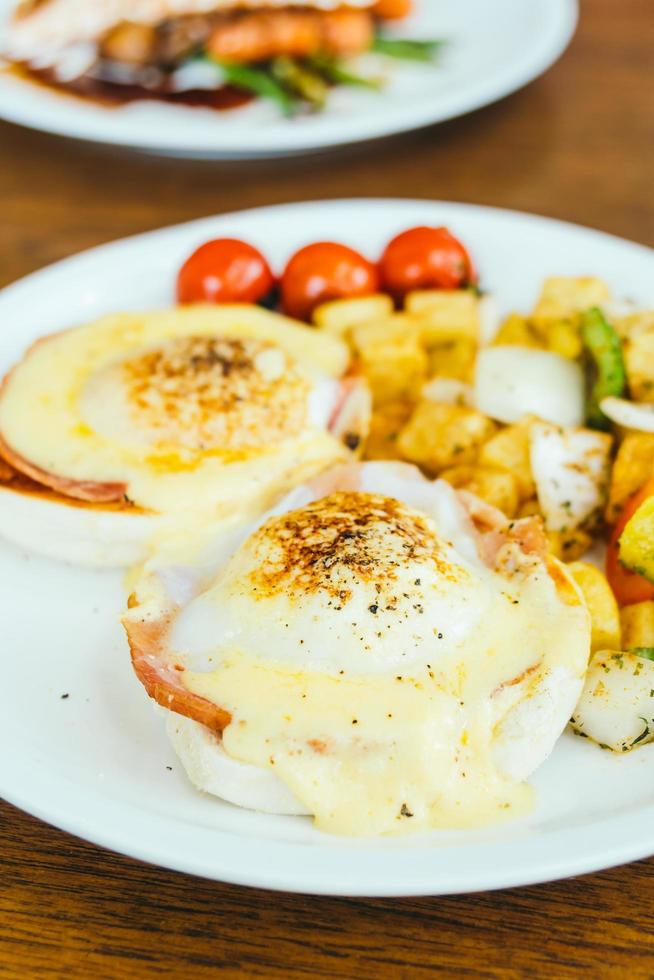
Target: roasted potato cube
x: 385, y: 426
x: 563, y: 296
x: 508, y: 450
x: 445, y: 314
x: 569, y: 545
x: 518, y: 331
x: 395, y: 373
x: 638, y: 351
x: 642, y: 321
x: 340, y: 315
x: 449, y: 391
x: 399, y: 328
x: 392, y: 358
x: 563, y: 337
x: 603, y: 609
x: 637, y: 541
x: 530, y: 508
x: 453, y: 359
x: 638, y: 625
x: 439, y: 436
x: 633, y: 466
x: 496, y: 487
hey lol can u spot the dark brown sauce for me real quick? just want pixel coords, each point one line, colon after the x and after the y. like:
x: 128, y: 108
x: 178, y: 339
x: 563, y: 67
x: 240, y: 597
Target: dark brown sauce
x: 111, y: 96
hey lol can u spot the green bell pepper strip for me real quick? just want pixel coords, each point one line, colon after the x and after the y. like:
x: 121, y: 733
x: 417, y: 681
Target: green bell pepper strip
x: 259, y: 81
x: 407, y: 49
x: 647, y: 653
x: 336, y: 72
x: 605, y: 349
x: 301, y: 80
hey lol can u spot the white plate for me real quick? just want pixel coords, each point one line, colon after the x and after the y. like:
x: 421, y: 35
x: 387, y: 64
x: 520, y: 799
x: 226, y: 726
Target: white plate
x: 496, y: 47
x: 96, y: 763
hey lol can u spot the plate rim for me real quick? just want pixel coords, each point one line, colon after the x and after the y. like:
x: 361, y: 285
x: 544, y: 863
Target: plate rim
x: 297, y: 878
x: 631, y: 843
x: 365, y: 201
x: 547, y: 48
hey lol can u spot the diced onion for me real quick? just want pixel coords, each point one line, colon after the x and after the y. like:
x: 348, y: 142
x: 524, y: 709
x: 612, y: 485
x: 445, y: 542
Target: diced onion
x: 511, y: 382
x: 630, y: 415
x: 490, y: 320
x: 448, y: 391
x: 616, y: 309
x: 571, y: 470
x: 197, y: 75
x: 615, y: 708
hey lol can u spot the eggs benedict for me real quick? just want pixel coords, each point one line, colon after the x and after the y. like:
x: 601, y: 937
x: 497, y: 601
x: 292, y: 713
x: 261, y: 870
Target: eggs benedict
x: 112, y: 431
x: 379, y: 651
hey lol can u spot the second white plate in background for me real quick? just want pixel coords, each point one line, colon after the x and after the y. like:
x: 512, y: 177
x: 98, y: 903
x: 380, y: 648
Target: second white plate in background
x: 495, y: 47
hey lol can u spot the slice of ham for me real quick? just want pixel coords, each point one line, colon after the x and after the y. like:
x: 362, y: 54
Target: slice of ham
x: 162, y: 678
x: 7, y: 473
x: 79, y: 489
x: 18, y: 482
x: 350, y: 417
x: 495, y: 530
x: 88, y: 490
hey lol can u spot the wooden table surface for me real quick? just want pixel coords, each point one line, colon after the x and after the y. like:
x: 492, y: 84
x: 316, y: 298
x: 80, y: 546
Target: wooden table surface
x: 577, y: 145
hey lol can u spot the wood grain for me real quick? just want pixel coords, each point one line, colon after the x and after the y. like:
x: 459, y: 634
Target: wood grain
x: 69, y: 909
x: 576, y: 145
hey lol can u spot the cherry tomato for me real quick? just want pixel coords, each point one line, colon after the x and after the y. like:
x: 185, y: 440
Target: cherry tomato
x: 628, y: 586
x: 225, y: 270
x: 425, y: 258
x: 322, y: 272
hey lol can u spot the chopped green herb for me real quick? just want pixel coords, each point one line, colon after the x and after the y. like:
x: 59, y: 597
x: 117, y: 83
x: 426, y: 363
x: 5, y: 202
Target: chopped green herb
x: 643, y: 734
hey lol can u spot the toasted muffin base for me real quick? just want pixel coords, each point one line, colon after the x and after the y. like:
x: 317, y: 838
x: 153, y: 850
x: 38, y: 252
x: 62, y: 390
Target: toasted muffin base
x: 101, y: 534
